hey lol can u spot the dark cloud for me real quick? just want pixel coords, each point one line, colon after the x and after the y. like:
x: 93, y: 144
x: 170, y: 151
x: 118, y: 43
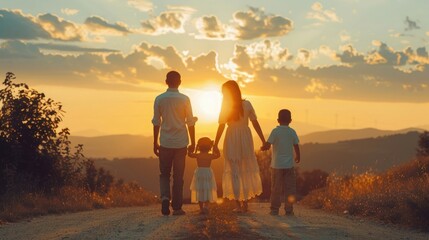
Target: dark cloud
x: 264, y: 63
x: 15, y: 49
x: 393, y: 79
x: 114, y: 71
x: 350, y: 55
x: 410, y: 24
x: 99, y: 24
x: 15, y: 25
x: 70, y: 48
x: 255, y: 23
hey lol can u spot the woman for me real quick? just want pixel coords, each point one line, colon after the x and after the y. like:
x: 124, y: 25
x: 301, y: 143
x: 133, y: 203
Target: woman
x: 241, y: 180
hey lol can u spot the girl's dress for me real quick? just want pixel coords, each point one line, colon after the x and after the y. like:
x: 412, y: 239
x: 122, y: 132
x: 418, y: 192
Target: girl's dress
x: 241, y: 179
x: 203, y: 185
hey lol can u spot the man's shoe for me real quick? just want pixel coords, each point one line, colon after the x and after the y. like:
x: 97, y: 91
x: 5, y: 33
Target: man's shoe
x: 289, y: 213
x: 165, y: 207
x: 178, y: 212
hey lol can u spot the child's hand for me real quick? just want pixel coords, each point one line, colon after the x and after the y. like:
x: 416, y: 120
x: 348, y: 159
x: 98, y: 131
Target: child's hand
x: 216, y: 150
x: 297, y: 160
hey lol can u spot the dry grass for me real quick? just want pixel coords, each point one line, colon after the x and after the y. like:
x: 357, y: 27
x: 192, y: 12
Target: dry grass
x: 70, y: 199
x: 399, y: 196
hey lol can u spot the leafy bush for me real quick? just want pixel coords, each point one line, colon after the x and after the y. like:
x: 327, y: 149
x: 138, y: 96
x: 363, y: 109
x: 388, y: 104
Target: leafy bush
x: 423, y: 144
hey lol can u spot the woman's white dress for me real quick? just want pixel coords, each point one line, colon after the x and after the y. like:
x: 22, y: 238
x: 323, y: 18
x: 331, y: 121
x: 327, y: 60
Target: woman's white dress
x: 203, y: 185
x: 241, y: 179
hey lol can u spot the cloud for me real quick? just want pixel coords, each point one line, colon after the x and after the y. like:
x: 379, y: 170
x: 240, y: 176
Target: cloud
x: 59, y: 28
x: 168, y: 21
x: 319, y: 13
x: 262, y: 68
x: 357, y: 78
x: 303, y: 57
x: 410, y: 24
x: 255, y: 23
x: 142, y: 5
x: 70, y: 48
x: 350, y: 55
x: 18, y: 50
x: 318, y: 88
x: 24, y: 26
x: 69, y: 11
x: 387, y: 55
x: 100, y: 25
x: 211, y: 28
x: 45, y: 26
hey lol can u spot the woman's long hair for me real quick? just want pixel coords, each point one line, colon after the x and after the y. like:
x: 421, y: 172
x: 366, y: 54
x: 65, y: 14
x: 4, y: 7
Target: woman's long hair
x: 232, y: 103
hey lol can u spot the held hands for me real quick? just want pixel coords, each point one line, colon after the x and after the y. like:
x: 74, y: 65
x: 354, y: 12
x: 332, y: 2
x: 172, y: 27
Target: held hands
x: 266, y: 146
x: 191, y: 148
x: 216, y: 150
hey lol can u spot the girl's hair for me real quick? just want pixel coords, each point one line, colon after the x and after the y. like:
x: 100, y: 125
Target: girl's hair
x: 232, y: 103
x: 204, y: 144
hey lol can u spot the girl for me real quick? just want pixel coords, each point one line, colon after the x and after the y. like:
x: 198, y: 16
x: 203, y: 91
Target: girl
x: 241, y: 180
x: 203, y: 185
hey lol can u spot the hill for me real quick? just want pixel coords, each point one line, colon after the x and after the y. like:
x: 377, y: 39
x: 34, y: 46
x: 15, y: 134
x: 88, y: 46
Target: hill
x: 145, y: 171
x: 115, y: 146
x: 138, y: 146
x: 360, y: 155
x: 344, y: 157
x: 333, y: 136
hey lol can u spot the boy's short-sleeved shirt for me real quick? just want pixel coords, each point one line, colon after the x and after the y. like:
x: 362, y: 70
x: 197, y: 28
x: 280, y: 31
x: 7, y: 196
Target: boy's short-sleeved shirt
x: 282, y: 138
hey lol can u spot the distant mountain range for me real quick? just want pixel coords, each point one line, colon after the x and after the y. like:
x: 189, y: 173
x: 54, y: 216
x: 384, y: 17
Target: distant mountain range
x: 137, y: 146
x: 333, y: 136
x: 357, y: 156
x: 344, y: 157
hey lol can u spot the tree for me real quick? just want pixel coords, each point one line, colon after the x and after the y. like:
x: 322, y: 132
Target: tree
x: 423, y: 144
x: 34, y: 155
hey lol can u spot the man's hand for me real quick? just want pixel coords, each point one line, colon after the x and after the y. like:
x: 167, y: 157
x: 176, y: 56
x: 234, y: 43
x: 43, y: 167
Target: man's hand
x: 216, y: 150
x: 191, y: 148
x: 266, y: 146
x: 156, y: 149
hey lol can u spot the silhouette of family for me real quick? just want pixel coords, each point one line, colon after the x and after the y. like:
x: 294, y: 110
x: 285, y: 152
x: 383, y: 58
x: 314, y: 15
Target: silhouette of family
x: 174, y: 125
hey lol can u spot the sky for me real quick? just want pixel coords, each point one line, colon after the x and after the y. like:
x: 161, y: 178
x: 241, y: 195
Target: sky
x: 335, y: 64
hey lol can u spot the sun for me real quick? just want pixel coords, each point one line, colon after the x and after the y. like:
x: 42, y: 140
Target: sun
x: 207, y: 104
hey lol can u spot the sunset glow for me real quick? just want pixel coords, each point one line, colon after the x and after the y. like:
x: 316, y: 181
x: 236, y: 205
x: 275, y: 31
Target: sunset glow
x: 207, y: 104
x: 327, y: 61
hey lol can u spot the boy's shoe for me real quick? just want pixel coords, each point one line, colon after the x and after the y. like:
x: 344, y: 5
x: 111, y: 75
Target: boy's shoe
x: 165, y: 207
x: 178, y: 212
x: 274, y: 212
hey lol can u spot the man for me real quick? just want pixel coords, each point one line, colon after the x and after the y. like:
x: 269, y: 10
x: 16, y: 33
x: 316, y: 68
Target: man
x: 172, y: 112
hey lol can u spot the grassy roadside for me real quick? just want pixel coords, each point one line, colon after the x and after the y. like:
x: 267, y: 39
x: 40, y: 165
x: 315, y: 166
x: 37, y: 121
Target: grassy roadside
x: 399, y: 196
x: 69, y: 199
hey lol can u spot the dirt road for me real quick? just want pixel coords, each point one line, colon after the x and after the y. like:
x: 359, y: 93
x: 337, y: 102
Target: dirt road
x: 148, y: 223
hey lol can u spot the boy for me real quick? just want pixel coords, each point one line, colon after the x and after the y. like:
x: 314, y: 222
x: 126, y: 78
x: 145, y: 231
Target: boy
x: 283, y: 179
x: 172, y: 112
